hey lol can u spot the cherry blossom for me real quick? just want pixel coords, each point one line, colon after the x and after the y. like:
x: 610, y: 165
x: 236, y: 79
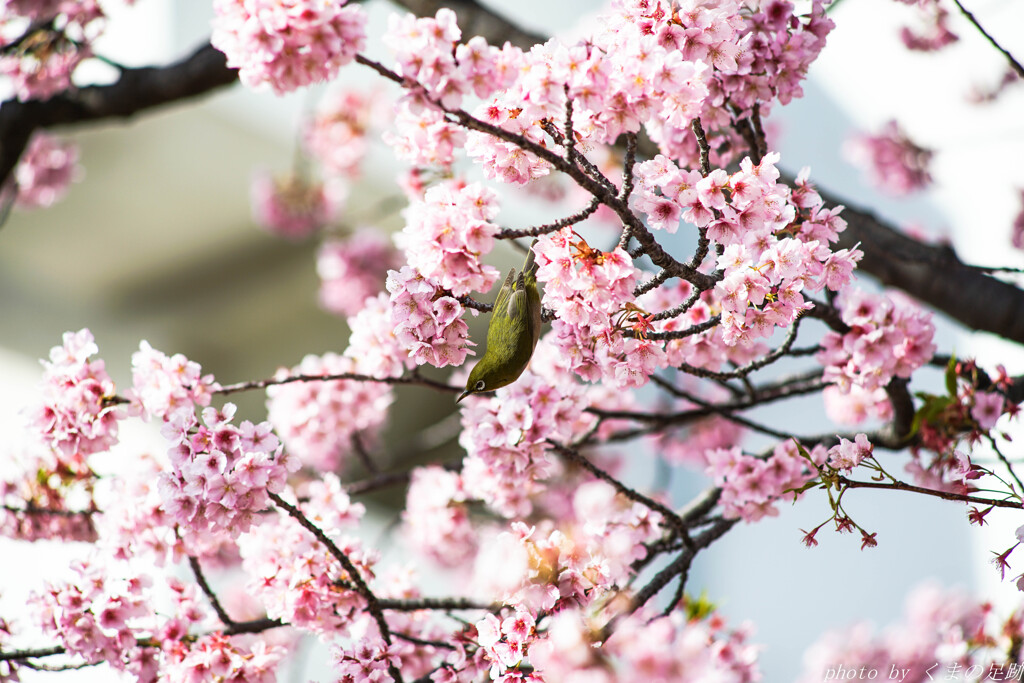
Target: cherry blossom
x: 353, y: 269
x: 45, y: 171
x: 287, y: 45
x: 895, y: 163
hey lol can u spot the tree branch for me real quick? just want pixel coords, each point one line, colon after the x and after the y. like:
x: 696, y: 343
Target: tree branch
x: 933, y: 274
x: 136, y: 91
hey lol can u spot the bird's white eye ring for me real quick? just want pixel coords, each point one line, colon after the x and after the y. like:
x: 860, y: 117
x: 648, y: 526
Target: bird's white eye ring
x: 480, y: 385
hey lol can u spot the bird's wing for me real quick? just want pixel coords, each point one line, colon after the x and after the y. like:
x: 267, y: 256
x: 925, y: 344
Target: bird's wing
x: 502, y: 300
x: 519, y: 302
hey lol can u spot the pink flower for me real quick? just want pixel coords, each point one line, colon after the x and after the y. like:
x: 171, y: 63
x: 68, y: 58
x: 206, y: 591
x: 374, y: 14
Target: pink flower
x: 353, y: 269
x: 287, y: 44
x: 447, y: 233
x: 849, y: 454
x: 436, y: 518
x: 988, y: 406
x: 77, y: 416
x: 165, y: 386
x: 318, y: 421
x: 336, y: 136
x: 293, y: 207
x: 417, y: 312
x: 896, y: 164
x: 46, y: 170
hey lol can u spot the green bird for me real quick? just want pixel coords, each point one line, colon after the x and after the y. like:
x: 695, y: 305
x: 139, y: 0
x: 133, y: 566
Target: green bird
x: 513, y: 332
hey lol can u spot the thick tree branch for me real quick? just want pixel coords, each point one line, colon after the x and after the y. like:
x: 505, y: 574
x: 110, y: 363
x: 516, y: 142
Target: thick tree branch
x: 477, y: 20
x: 933, y: 274
x: 136, y: 91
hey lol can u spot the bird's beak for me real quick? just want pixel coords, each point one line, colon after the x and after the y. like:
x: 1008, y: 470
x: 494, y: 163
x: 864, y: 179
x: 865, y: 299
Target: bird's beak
x: 463, y: 395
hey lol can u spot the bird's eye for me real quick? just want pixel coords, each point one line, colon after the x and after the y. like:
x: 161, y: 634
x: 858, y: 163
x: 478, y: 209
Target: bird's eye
x: 480, y: 386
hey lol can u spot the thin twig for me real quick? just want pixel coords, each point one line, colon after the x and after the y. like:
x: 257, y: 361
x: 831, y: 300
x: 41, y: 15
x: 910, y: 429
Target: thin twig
x: 575, y: 218
x: 414, y: 378
x: 753, y: 365
x: 671, y: 518
x: 1007, y: 464
x: 372, y: 604
x: 1010, y: 58
x: 197, y: 571
x: 945, y: 495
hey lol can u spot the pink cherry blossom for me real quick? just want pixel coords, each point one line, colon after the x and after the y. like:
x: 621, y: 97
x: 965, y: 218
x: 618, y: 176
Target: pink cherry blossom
x: 988, y: 406
x: 290, y: 44
x: 336, y: 135
x: 353, y: 269
x: 448, y: 231
x: 428, y: 325
x: 848, y: 454
x: 293, y: 207
x: 320, y: 421
x: 78, y: 415
x: 45, y: 171
x: 895, y: 163
x: 885, y: 340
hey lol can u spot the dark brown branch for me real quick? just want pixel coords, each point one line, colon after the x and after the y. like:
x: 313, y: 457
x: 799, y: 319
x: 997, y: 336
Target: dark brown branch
x: 442, y: 604
x: 945, y: 495
x: 372, y: 603
x: 933, y: 274
x: 477, y: 20
x: 575, y: 218
x: 671, y: 518
x: 264, y: 383
x: 197, y: 571
x: 136, y: 91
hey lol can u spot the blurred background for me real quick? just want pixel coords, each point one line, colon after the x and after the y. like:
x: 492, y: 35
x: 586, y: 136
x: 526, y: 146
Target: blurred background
x: 157, y: 243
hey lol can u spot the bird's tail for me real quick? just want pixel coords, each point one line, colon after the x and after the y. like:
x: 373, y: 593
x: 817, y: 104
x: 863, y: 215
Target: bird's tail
x: 529, y: 271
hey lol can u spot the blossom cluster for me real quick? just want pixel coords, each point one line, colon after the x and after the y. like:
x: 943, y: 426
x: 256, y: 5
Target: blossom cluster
x: 776, y: 238
x: 164, y: 386
x: 289, y: 44
x: 353, y: 269
x: 943, y: 632
x: 933, y: 33
x: 895, y: 163
x: 589, y: 290
x: 848, y: 454
x: 427, y: 322
x: 885, y: 340
x: 135, y: 524
x: 45, y: 171
x: 448, y: 231
x: 757, y: 54
x: 78, y: 416
x: 294, y: 207
x: 645, y: 647
x: 294, y: 576
x: 751, y: 486
x: 424, y: 137
x: 321, y: 422
x: 34, y: 507
x: 436, y: 517
x: 336, y: 135
x: 505, y: 439
x: 216, y: 657
x: 95, y: 614
x: 855, y: 404
x: 221, y: 475
x: 373, y: 343
x: 41, y: 61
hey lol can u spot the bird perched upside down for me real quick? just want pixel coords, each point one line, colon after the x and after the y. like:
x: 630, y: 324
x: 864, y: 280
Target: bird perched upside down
x: 512, y: 334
